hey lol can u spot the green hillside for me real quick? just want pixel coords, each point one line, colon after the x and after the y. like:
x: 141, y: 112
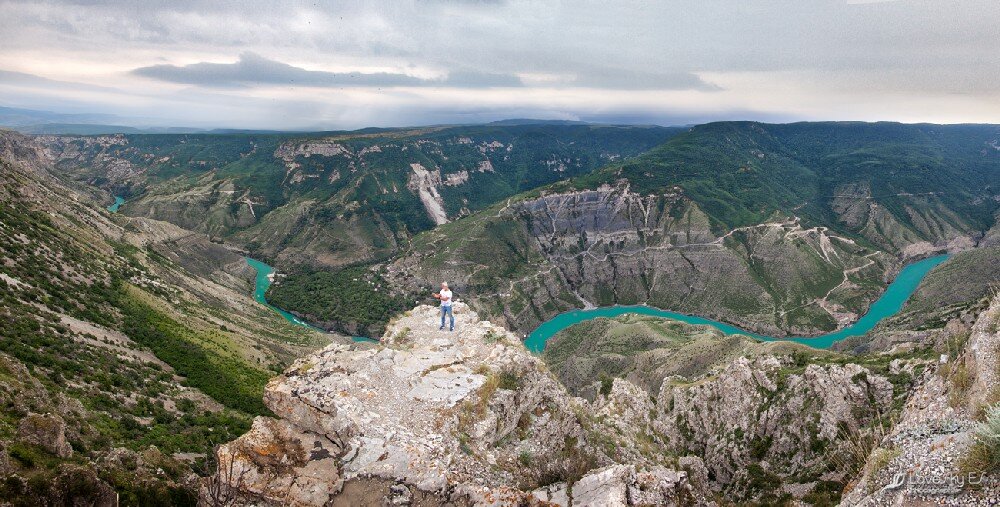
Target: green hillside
x: 335, y: 198
x: 109, y: 346
x: 740, y: 173
x: 781, y: 229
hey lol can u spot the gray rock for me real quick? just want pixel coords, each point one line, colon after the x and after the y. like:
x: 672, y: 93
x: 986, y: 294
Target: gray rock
x: 47, y: 431
x: 623, y: 485
x: 458, y: 414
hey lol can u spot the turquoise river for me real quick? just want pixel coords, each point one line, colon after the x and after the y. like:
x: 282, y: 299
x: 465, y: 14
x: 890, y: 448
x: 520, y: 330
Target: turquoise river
x: 260, y: 286
x: 263, y: 282
x: 888, y: 305
x: 118, y: 204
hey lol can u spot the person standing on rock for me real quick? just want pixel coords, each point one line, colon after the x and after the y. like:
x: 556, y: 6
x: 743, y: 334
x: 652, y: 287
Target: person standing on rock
x: 445, y: 297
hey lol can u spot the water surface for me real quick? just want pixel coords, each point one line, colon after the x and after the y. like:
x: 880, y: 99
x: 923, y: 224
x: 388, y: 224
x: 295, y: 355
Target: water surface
x: 263, y: 281
x: 888, y: 305
x: 119, y: 200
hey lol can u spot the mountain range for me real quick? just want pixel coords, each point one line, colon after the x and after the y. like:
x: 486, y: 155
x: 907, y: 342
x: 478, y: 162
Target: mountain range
x: 133, y: 356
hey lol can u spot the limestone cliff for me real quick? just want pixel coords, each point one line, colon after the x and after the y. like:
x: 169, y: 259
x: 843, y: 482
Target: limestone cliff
x: 612, y: 245
x: 930, y: 458
x: 471, y: 417
x: 433, y: 417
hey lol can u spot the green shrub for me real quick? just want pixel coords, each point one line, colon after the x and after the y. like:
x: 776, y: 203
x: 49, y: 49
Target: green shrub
x: 606, y: 384
x: 509, y: 380
x: 984, y: 454
x: 524, y: 458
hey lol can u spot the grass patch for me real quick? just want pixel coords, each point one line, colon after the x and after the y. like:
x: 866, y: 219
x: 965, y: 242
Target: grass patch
x: 227, y: 378
x: 508, y: 380
x: 983, y: 455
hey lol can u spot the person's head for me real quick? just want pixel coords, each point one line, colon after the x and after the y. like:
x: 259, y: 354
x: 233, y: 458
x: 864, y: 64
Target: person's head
x: 444, y: 285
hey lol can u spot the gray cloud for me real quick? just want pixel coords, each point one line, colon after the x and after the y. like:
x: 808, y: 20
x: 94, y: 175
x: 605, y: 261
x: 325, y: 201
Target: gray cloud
x: 252, y: 69
x: 905, y: 59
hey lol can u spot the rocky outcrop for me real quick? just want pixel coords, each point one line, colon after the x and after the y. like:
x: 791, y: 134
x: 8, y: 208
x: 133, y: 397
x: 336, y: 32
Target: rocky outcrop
x: 763, y: 429
x: 470, y: 417
x: 47, y: 431
x: 622, y: 485
x: 278, y: 463
x: 467, y: 417
x: 767, y: 420
x: 922, y: 460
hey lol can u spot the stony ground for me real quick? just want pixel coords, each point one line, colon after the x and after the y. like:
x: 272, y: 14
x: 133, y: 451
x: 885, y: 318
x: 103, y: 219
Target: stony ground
x: 467, y: 417
x: 919, y: 463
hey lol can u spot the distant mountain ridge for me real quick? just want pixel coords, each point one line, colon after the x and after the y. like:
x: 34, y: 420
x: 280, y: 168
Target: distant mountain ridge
x: 32, y: 121
x: 778, y: 228
x: 334, y: 198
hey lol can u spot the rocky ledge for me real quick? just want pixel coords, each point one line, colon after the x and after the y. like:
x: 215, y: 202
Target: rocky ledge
x: 433, y: 417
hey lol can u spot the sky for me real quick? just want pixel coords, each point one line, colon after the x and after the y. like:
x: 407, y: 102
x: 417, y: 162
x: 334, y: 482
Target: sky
x: 342, y: 65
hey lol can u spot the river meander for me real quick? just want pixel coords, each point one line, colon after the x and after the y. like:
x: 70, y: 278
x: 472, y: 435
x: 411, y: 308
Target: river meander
x: 262, y: 282
x: 260, y: 286
x: 889, y: 304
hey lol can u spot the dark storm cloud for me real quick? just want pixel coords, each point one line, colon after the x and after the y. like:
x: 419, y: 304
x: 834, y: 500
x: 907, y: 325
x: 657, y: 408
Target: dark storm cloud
x: 252, y: 69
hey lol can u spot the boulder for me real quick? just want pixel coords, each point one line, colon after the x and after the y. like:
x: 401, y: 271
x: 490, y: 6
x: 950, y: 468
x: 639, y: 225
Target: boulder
x: 47, y: 431
x: 277, y: 463
x: 623, y: 485
x: 79, y: 485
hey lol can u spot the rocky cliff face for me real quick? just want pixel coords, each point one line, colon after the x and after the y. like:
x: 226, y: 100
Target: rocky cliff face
x: 615, y: 246
x: 929, y: 456
x: 471, y: 417
x: 780, y: 229
x: 337, y: 199
x: 766, y: 428
x: 468, y: 417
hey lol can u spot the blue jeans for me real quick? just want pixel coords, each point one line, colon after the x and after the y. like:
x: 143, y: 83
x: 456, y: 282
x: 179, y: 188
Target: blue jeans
x: 446, y: 310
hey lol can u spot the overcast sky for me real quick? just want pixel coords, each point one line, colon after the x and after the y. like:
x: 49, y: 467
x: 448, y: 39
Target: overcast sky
x: 309, y: 65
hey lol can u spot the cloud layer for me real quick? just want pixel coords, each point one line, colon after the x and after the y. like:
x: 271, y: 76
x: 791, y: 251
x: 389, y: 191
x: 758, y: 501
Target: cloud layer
x: 341, y: 64
x: 252, y: 69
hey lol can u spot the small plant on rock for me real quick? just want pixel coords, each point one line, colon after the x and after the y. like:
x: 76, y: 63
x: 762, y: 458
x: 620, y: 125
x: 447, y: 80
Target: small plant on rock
x: 509, y: 380
x: 525, y: 458
x: 984, y: 454
x: 493, y: 337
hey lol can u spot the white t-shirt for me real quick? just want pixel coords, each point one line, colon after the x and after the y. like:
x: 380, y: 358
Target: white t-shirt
x: 446, y: 297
